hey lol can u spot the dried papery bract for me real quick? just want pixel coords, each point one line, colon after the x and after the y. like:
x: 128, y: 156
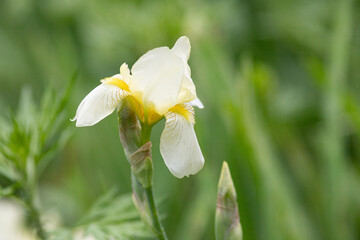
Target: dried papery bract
x: 227, y: 219
x: 141, y: 165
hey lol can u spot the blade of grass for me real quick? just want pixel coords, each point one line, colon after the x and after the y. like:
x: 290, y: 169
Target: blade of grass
x: 334, y: 159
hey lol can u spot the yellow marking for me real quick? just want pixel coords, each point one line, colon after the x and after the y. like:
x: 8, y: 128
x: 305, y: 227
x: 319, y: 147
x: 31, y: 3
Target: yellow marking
x: 117, y: 82
x: 153, y: 117
x: 185, y: 110
x: 136, y: 106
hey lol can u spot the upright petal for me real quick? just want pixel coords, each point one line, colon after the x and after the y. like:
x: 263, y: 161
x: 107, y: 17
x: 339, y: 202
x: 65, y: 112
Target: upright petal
x: 179, y: 145
x: 157, y: 79
x: 125, y: 73
x: 187, y: 91
x: 182, y: 48
x: 98, y: 104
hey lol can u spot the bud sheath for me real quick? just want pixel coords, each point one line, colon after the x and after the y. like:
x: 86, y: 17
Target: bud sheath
x: 129, y: 129
x: 227, y: 219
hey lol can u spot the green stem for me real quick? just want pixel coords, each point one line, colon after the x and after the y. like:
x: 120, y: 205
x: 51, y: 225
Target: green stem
x: 145, y: 137
x: 30, y: 202
x: 34, y: 218
x: 154, y: 214
x: 145, y: 133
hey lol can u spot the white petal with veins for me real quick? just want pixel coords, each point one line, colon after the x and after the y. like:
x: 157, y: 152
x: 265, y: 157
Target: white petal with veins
x: 98, y: 104
x: 179, y: 146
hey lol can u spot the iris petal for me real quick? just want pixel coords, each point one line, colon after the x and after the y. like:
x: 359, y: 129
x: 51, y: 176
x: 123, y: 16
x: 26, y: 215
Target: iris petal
x: 157, y: 78
x: 98, y: 104
x: 196, y: 103
x: 187, y: 92
x: 179, y: 145
x: 182, y: 48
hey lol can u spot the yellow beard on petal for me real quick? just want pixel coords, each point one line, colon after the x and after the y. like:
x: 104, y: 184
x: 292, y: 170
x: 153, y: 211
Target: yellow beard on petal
x: 117, y: 82
x: 184, y: 110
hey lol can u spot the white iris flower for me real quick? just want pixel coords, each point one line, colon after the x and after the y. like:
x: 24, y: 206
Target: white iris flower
x: 158, y: 86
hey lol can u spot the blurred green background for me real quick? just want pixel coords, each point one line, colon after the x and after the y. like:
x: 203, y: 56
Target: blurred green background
x: 280, y: 82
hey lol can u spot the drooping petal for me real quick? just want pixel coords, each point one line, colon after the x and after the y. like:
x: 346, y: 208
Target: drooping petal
x: 196, y: 103
x: 157, y: 79
x: 182, y: 48
x: 119, y: 79
x: 98, y: 104
x: 179, y: 145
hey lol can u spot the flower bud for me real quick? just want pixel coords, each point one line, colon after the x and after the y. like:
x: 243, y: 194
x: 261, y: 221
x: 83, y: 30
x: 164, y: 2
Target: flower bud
x: 141, y: 165
x: 138, y: 156
x: 129, y: 129
x: 227, y: 220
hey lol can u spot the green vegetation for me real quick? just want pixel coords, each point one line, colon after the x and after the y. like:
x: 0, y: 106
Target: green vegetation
x: 280, y: 82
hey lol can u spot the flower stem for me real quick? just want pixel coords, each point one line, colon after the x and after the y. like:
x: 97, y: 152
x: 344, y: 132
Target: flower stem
x: 135, y: 138
x: 154, y: 213
x: 145, y: 133
x: 149, y: 193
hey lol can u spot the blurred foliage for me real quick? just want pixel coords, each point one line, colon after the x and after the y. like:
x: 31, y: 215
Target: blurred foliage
x: 280, y: 83
x: 29, y: 138
x: 27, y: 143
x: 27, y: 146
x: 112, y: 216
